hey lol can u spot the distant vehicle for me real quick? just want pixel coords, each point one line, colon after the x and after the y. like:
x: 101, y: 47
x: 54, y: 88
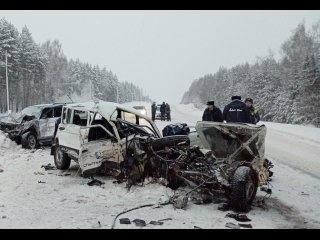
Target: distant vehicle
x: 141, y: 109
x: 33, y: 126
x: 158, y: 113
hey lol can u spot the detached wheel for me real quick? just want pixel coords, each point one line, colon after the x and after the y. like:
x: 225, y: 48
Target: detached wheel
x: 29, y: 141
x: 244, y: 187
x: 61, y: 159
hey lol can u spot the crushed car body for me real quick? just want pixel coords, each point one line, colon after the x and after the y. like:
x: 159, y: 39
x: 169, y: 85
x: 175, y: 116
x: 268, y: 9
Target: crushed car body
x: 216, y: 159
x: 97, y: 135
x: 33, y: 126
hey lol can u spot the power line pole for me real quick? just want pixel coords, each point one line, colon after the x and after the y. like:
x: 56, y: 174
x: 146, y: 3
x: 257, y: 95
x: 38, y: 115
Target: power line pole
x: 7, y: 82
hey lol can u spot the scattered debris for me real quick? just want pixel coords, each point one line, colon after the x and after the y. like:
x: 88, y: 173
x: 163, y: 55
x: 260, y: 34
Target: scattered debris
x: 155, y: 222
x: 95, y: 182
x: 1, y: 170
x: 266, y: 189
x: 129, y: 210
x: 232, y: 225
x: 197, y: 227
x: 239, y: 217
x: 244, y: 225
x: 166, y: 219
x: 125, y: 221
x: 4, y: 216
x: 224, y: 207
x: 38, y: 173
x: 139, y: 223
x: 306, y: 194
x: 48, y: 167
x: 41, y: 182
x: 179, y: 202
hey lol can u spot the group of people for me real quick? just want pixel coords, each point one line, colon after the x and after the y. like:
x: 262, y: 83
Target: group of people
x: 165, y: 111
x: 236, y: 111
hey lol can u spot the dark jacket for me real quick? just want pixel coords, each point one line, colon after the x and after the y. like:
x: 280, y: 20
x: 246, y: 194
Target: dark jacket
x: 214, y: 115
x: 236, y: 111
x: 153, y: 109
x: 163, y: 108
x: 254, y: 115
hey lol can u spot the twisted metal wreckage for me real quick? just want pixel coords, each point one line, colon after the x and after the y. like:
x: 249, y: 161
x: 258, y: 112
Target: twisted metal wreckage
x: 218, y: 159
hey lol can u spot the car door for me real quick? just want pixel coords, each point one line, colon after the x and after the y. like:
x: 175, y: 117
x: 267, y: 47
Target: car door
x: 46, y: 123
x: 68, y: 134
x: 94, y: 153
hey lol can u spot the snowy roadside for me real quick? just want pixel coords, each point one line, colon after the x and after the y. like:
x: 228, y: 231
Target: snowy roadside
x: 64, y: 200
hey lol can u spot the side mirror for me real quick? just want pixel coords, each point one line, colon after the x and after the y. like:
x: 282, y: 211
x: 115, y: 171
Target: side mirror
x: 44, y: 116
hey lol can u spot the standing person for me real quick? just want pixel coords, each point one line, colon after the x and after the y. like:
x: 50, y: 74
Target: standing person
x: 163, y: 111
x: 254, y: 112
x: 168, y: 110
x: 153, y: 111
x: 236, y: 111
x: 212, y: 113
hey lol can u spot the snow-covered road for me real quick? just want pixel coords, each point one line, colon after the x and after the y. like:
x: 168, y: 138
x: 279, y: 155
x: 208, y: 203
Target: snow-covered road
x: 31, y: 197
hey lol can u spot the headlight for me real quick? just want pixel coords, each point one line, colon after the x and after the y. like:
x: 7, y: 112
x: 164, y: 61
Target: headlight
x: 143, y: 112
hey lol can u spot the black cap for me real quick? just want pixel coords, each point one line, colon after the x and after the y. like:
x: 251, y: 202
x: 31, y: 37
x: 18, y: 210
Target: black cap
x: 236, y: 97
x: 210, y: 103
x: 249, y: 100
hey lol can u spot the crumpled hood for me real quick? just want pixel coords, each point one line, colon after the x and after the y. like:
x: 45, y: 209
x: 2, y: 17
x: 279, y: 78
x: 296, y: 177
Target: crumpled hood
x: 242, y: 142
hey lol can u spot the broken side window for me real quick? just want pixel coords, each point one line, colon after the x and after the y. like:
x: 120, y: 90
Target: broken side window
x: 69, y: 115
x: 80, y: 117
x: 57, y: 111
x: 47, y: 113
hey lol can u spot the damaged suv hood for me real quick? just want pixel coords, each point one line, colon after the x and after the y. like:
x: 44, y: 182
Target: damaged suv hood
x: 242, y: 142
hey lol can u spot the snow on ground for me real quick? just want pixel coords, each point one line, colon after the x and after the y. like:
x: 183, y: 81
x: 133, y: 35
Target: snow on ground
x: 31, y: 197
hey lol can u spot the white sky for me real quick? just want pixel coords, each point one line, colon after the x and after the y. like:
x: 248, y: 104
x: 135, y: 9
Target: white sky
x: 163, y: 51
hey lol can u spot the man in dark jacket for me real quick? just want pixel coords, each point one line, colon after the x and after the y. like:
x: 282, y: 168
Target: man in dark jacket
x: 153, y: 111
x: 168, y: 111
x: 212, y: 113
x: 254, y: 112
x: 236, y: 111
x: 163, y: 111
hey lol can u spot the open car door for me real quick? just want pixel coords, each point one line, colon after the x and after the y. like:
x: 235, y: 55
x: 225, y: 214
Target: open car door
x: 102, y: 146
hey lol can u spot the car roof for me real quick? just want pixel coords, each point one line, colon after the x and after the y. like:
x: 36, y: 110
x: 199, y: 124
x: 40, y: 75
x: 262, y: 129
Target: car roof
x: 47, y: 105
x: 105, y: 109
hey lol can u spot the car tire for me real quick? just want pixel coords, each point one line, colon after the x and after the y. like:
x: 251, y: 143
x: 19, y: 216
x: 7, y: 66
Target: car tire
x: 244, y: 187
x: 29, y: 141
x: 169, y: 141
x: 61, y: 159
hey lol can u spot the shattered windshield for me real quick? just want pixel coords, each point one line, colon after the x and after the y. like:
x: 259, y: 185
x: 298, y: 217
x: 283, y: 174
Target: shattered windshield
x: 30, y: 111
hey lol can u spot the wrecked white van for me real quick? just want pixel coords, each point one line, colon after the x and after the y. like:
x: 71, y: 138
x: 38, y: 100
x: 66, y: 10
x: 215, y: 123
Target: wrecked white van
x: 96, y: 134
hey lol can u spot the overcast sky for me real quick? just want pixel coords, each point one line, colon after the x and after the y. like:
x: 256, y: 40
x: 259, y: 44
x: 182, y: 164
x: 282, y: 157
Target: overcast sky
x: 163, y: 51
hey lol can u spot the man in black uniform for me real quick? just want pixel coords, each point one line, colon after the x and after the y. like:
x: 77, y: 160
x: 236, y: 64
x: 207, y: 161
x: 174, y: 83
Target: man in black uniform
x: 212, y: 113
x: 236, y: 111
x: 153, y: 110
x: 163, y: 111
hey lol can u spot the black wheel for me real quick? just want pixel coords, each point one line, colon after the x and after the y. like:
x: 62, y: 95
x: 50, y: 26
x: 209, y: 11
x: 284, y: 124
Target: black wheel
x: 170, y: 141
x: 29, y: 141
x: 18, y: 140
x: 244, y: 187
x: 61, y: 159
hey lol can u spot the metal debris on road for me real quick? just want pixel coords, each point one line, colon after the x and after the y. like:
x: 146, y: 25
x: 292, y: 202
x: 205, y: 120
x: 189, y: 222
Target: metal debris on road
x: 238, y: 217
x: 232, y: 225
x: 139, y: 222
x: 244, y: 225
x: 125, y: 221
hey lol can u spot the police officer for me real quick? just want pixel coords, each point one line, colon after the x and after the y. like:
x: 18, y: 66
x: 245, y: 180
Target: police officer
x: 212, y: 113
x: 236, y: 111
